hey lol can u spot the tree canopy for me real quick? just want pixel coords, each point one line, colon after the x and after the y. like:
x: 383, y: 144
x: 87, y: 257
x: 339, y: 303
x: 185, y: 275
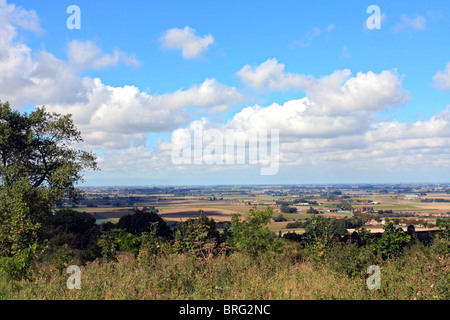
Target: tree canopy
x: 38, y: 147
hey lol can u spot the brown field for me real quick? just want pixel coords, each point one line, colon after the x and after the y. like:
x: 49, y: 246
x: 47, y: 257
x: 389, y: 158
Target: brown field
x: 217, y: 214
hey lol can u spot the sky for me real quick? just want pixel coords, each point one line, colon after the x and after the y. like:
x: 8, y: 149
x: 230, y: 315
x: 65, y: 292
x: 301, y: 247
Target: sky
x: 336, y: 92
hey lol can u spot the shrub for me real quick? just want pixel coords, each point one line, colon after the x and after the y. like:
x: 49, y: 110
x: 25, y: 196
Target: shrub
x: 251, y: 234
x: 108, y: 244
x: 141, y: 221
x: 392, y: 241
x: 21, y: 209
x: 352, y: 259
x: 441, y: 242
x: 194, y: 232
x: 128, y: 242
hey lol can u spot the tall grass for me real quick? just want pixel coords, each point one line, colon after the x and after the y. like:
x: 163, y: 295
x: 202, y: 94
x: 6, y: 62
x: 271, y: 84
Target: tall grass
x: 418, y: 274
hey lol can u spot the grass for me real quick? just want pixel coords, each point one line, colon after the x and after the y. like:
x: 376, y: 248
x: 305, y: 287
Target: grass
x: 284, y: 276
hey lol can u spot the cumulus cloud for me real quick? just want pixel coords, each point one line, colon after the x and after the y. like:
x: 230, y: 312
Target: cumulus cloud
x: 271, y: 75
x: 339, y: 91
x: 191, y: 45
x: 112, y: 117
x: 441, y: 79
x: 87, y: 55
x: 12, y: 15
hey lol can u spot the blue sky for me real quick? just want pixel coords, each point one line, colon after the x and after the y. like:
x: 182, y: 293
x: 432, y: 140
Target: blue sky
x: 211, y: 60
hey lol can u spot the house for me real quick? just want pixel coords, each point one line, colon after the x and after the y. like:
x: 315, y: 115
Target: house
x: 372, y: 222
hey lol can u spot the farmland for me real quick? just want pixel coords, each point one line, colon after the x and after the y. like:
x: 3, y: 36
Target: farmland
x: 176, y: 204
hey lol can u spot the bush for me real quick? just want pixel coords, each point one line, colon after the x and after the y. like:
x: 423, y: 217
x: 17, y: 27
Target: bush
x: 141, y: 221
x: 109, y: 244
x: 351, y: 259
x: 392, y: 241
x: 441, y: 242
x: 195, y: 232
x: 21, y: 209
x: 67, y: 226
x: 251, y: 234
x: 128, y: 242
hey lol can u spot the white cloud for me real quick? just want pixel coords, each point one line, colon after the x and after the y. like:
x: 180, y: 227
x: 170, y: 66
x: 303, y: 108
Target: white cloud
x: 132, y: 113
x: 298, y: 119
x: 270, y: 74
x: 87, y: 55
x: 12, y: 15
x: 441, y: 79
x: 336, y: 92
x: 408, y: 24
x: 339, y: 92
x: 191, y: 45
x: 329, y: 125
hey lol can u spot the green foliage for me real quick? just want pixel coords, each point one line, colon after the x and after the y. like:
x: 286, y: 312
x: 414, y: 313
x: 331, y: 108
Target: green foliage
x: 67, y: 226
x: 62, y: 257
x: 392, y: 241
x: 319, y: 234
x: 71, y: 221
x: 193, y: 233
x: 37, y: 147
x: 366, y: 237
x: 287, y: 209
x: 128, y: 242
x: 38, y: 166
x: 109, y: 244
x: 141, y: 221
x: 151, y: 244
x: 312, y: 210
x: 251, y: 234
x: 18, y: 266
x: 21, y: 207
x: 441, y: 243
x: 351, y: 259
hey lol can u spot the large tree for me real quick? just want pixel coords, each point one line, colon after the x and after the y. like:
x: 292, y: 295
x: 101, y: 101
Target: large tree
x: 38, y: 167
x: 38, y: 147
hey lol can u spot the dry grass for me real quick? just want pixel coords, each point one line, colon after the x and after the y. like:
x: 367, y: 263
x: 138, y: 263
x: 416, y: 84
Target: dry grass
x: 237, y: 276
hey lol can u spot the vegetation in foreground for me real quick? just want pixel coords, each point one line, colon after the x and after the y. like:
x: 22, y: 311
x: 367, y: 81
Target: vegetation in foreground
x: 195, y: 261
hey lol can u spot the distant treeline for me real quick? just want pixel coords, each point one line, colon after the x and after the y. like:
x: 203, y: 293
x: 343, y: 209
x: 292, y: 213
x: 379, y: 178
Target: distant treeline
x: 434, y: 200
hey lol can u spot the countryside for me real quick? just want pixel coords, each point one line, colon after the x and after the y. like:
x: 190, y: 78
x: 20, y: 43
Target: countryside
x: 215, y: 151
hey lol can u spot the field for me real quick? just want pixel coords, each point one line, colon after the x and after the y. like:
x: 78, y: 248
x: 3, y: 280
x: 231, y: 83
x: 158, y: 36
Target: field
x: 221, y: 202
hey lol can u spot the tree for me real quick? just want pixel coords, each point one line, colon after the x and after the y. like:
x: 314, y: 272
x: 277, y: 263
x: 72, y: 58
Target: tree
x: 312, y: 210
x: 20, y: 208
x: 287, y: 209
x: 194, y: 233
x: 392, y: 241
x: 251, y: 234
x: 38, y: 147
x: 38, y: 166
x: 319, y: 233
x: 141, y: 221
x: 81, y: 226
